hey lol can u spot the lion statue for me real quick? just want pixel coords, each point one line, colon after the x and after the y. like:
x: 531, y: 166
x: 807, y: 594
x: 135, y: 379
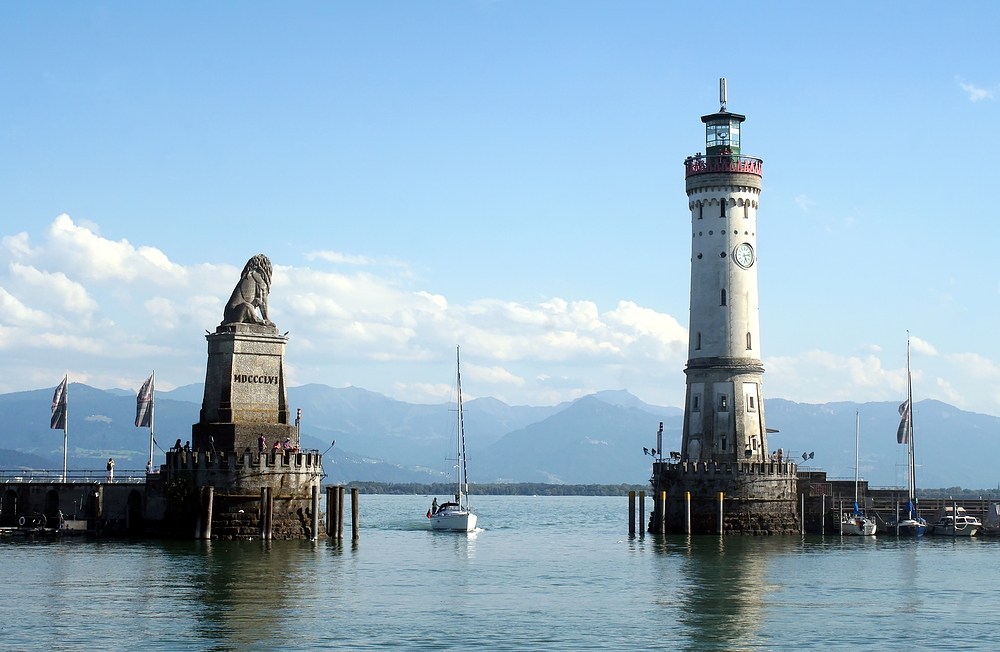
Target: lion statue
x: 250, y: 294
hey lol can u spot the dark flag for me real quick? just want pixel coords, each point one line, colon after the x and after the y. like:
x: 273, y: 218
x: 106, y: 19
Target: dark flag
x: 59, y: 406
x: 903, y: 432
x: 144, y: 405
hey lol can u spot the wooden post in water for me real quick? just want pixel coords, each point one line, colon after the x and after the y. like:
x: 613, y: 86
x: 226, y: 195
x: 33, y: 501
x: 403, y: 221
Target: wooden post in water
x: 802, y: 517
x: 314, y: 535
x: 954, y: 518
x: 642, y: 513
x: 721, y: 512
x: 631, y: 513
x: 840, y: 515
x: 355, y: 521
x: 330, y: 530
x: 340, y: 513
x: 663, y: 512
x: 208, y: 494
x: 822, y: 515
x: 687, y: 513
x: 270, y: 514
x: 263, y: 512
x: 897, y: 517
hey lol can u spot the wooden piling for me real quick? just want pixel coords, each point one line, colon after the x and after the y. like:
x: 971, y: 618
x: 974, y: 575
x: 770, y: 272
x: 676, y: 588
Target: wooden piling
x: 802, y: 514
x: 687, y: 512
x: 355, y: 521
x: 642, y: 513
x: 954, y: 518
x: 314, y: 534
x: 631, y: 513
x: 721, y: 512
x: 340, y: 513
x: 897, y: 517
x: 822, y: 515
x: 663, y: 512
x: 208, y: 499
x: 263, y: 512
x: 330, y: 528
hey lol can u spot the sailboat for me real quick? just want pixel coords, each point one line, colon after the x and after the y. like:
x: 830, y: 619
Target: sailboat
x: 908, y: 521
x: 457, y: 516
x: 856, y: 523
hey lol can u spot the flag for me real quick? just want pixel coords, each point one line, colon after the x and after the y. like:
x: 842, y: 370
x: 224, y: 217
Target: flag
x: 144, y: 405
x: 903, y: 432
x: 59, y: 406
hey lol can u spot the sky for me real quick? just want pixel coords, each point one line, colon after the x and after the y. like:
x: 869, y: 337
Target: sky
x: 504, y: 176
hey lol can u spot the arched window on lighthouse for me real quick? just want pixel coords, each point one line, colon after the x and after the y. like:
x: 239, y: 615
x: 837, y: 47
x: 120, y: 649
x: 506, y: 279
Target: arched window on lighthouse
x: 746, y: 210
x: 723, y: 302
x: 749, y: 342
x: 701, y: 210
x: 722, y: 208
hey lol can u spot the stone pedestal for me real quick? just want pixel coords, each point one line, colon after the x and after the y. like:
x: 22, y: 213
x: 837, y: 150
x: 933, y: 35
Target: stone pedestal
x: 245, y: 392
x: 758, y: 498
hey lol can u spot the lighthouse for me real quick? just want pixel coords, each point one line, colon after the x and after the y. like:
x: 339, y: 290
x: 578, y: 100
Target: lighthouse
x: 724, y: 415
x: 723, y: 479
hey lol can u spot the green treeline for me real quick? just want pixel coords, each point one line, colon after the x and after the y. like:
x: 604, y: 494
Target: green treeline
x: 505, y: 489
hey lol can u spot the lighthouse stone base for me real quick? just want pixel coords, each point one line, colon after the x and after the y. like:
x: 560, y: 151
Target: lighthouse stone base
x: 758, y: 498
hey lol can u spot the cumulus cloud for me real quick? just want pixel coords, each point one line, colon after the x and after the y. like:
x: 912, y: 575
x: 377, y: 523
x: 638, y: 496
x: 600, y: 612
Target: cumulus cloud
x: 976, y: 94
x: 492, y: 375
x: 920, y: 346
x: 337, y: 257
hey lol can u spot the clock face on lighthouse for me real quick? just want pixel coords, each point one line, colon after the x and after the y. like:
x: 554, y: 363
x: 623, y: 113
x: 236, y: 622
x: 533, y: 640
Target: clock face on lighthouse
x: 744, y: 255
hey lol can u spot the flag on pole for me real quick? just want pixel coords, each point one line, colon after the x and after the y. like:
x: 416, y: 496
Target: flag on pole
x: 144, y: 405
x: 59, y: 406
x: 903, y: 432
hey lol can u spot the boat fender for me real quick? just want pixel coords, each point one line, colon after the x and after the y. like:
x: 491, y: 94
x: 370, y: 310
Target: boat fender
x: 428, y: 514
x: 21, y: 521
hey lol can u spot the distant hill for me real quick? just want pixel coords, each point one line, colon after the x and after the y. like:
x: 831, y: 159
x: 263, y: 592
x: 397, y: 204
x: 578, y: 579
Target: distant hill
x: 595, y: 439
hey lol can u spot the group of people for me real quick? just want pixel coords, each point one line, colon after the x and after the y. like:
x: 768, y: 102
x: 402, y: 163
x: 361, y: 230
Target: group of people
x: 279, y: 446
x: 778, y: 455
x: 177, y: 446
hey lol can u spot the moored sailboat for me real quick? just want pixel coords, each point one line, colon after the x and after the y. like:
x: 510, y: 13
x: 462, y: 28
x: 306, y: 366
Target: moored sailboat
x: 457, y: 516
x: 856, y: 523
x: 908, y: 521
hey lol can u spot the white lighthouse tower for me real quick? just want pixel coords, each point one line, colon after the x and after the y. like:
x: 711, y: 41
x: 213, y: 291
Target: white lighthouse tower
x: 723, y: 481
x: 724, y: 415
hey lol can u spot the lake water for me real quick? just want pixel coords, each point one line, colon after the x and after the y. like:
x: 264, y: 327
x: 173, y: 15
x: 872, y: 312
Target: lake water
x: 544, y: 573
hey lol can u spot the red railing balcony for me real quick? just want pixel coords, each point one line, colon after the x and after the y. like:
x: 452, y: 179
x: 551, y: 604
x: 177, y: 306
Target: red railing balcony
x: 721, y: 163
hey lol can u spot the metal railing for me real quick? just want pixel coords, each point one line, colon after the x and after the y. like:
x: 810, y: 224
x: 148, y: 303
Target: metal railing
x: 722, y: 163
x: 79, y: 476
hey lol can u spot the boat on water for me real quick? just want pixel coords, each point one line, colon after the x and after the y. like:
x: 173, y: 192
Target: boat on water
x: 856, y: 523
x: 951, y: 525
x: 456, y: 516
x: 908, y: 522
x: 991, y: 520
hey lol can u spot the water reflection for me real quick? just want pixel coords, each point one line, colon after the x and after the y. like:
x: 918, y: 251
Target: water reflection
x: 248, y: 591
x: 723, y: 589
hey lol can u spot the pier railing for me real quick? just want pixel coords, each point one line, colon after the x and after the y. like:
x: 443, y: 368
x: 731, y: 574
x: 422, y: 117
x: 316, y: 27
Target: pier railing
x: 72, y: 476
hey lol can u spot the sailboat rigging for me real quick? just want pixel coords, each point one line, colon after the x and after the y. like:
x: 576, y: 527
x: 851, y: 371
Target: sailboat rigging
x: 457, y: 516
x: 856, y: 523
x: 908, y: 521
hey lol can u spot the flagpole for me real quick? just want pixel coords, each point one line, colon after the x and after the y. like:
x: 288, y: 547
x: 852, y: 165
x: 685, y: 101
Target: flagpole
x: 152, y: 388
x: 65, y: 430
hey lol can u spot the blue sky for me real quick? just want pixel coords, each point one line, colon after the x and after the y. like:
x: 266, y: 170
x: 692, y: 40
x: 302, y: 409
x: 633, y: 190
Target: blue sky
x: 503, y: 175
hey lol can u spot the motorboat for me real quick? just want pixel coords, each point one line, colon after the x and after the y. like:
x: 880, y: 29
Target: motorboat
x: 950, y: 525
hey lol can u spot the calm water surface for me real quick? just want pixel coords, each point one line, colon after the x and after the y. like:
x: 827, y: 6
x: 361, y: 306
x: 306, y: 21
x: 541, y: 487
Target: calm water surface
x: 544, y: 573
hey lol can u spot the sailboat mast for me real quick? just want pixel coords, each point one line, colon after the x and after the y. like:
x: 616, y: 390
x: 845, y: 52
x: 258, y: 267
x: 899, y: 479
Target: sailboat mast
x: 909, y: 402
x: 857, y: 446
x: 463, y: 477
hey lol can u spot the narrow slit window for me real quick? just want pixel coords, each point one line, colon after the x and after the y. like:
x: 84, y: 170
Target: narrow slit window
x: 701, y: 211
x: 723, y: 443
x: 746, y: 211
x: 749, y: 342
x: 695, y: 404
x: 698, y: 342
x: 722, y: 208
x: 723, y: 403
x: 723, y: 302
x: 753, y: 402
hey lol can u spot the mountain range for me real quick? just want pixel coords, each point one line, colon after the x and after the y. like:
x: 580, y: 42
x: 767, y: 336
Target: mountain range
x: 595, y: 439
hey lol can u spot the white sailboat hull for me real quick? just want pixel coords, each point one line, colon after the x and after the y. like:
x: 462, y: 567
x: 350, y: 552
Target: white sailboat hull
x: 858, y: 527
x: 456, y: 521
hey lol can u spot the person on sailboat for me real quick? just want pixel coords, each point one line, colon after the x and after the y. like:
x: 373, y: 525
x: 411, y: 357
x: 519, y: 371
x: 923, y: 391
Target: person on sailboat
x: 434, y: 506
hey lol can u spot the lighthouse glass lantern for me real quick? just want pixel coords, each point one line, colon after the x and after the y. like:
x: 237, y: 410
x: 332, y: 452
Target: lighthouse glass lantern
x: 722, y: 133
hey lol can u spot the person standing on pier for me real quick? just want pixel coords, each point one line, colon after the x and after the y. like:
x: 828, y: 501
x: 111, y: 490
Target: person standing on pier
x: 111, y: 469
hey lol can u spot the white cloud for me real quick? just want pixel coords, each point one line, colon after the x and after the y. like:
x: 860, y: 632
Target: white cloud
x: 68, y: 294
x: 492, y: 375
x: 920, y: 346
x: 337, y: 257
x: 804, y: 202
x: 976, y: 94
